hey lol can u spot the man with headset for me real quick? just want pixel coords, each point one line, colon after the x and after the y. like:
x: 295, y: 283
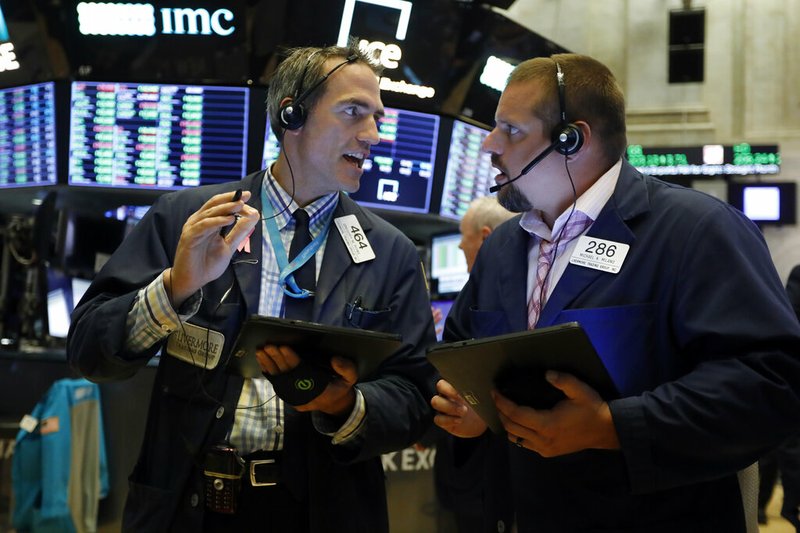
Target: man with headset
x: 226, y: 453
x: 678, y: 294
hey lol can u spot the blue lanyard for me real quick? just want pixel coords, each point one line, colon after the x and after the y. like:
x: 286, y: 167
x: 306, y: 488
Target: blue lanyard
x: 286, y: 276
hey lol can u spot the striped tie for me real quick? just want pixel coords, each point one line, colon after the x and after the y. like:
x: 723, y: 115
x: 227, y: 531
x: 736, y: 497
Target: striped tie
x: 576, y: 224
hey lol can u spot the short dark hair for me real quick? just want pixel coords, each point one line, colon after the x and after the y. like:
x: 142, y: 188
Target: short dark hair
x: 307, y: 63
x: 591, y: 94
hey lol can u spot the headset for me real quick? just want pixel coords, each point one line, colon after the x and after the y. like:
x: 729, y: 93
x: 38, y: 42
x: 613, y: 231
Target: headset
x: 567, y: 137
x: 293, y: 114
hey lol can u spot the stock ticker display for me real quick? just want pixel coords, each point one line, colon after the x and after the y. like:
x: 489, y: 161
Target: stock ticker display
x: 469, y: 172
x: 398, y: 174
x: 707, y: 160
x: 27, y: 136
x: 156, y: 136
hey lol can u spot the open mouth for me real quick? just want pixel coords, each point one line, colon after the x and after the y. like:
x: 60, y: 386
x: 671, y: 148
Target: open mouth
x: 355, y: 159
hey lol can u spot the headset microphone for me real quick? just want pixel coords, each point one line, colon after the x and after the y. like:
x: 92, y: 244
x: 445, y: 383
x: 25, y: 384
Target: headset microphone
x: 535, y: 161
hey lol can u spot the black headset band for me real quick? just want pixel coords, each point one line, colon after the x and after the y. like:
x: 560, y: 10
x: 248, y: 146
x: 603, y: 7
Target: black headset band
x: 562, y: 107
x: 305, y: 94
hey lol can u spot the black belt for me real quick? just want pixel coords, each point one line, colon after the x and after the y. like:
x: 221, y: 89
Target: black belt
x: 262, y: 468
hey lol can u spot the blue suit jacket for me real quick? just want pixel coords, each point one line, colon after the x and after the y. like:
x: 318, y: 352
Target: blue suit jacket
x: 344, y: 484
x: 699, y: 337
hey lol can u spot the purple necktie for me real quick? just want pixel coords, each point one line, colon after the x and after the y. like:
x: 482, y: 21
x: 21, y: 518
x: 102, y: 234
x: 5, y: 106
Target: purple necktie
x: 576, y: 225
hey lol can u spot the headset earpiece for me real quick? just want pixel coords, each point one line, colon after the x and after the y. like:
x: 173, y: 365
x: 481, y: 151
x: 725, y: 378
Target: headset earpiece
x: 292, y: 115
x: 567, y: 137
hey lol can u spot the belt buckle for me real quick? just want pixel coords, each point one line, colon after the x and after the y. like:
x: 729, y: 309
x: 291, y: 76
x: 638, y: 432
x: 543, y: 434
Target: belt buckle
x: 253, y: 481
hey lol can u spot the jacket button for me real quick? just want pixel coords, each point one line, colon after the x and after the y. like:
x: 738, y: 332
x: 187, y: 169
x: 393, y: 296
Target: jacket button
x: 194, y: 500
x: 220, y: 411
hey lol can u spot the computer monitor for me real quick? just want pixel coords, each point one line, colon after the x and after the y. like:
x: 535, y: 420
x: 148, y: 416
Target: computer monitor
x: 156, y: 136
x: 63, y: 294
x: 398, y: 175
x: 469, y: 172
x: 86, y: 241
x: 272, y: 147
x: 28, y: 136
x: 448, y: 264
x: 131, y: 215
x: 399, y: 172
x: 767, y: 203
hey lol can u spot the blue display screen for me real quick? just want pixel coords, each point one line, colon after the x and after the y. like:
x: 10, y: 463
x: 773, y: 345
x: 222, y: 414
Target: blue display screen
x: 28, y: 135
x: 156, y: 136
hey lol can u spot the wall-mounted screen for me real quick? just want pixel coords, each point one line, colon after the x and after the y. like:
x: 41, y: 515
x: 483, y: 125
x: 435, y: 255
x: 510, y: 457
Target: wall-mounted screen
x: 708, y: 160
x: 469, y: 172
x: 28, y: 135
x: 765, y: 202
x: 448, y: 264
x: 398, y: 174
x: 156, y: 136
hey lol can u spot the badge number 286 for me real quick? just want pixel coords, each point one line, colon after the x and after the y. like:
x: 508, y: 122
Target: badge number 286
x: 599, y: 254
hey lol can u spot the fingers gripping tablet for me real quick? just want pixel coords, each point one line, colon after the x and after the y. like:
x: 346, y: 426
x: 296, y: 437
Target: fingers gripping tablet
x: 301, y: 384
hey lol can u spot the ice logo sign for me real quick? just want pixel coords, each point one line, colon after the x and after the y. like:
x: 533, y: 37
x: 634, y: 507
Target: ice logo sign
x: 387, y: 53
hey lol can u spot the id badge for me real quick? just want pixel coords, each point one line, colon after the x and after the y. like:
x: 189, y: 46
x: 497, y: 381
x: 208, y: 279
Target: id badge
x: 196, y: 345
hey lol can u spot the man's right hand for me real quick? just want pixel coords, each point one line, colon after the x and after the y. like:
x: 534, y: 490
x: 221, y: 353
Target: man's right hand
x: 454, y: 415
x: 203, y: 254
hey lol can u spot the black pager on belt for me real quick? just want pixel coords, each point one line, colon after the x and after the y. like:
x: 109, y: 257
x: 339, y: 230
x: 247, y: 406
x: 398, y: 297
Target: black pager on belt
x: 223, y: 470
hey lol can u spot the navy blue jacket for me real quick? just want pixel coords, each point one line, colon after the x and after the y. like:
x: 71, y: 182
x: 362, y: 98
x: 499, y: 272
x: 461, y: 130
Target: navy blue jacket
x: 699, y: 337
x: 344, y: 484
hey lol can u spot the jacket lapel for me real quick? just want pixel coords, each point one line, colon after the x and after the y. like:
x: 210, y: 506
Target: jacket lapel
x: 247, y: 266
x: 628, y: 200
x: 513, y: 275
x: 336, y: 260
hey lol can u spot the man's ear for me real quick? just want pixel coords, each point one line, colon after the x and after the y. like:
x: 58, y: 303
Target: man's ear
x: 485, y: 231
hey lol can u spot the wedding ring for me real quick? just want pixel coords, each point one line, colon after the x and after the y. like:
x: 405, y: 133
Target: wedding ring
x: 519, y: 440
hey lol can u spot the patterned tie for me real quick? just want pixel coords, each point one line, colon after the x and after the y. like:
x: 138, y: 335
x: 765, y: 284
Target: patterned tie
x: 576, y: 225
x: 306, y: 275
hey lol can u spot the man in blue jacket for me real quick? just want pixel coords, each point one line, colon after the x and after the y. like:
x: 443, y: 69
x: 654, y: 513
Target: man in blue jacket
x: 201, y: 261
x: 676, y: 290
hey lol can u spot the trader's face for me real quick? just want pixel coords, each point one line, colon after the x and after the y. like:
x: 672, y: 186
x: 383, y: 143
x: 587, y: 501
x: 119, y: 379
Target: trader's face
x: 339, y: 131
x: 516, y: 139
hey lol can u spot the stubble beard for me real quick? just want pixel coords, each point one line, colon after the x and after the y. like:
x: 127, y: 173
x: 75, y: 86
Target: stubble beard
x: 512, y: 199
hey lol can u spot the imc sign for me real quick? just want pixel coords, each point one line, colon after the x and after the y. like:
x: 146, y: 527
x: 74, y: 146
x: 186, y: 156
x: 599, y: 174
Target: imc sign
x: 101, y: 18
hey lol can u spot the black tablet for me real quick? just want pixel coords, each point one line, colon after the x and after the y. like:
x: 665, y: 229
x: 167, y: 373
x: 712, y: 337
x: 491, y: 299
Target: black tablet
x: 515, y: 365
x: 313, y: 342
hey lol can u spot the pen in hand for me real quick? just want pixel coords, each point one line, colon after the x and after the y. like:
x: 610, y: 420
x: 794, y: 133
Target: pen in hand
x: 236, y: 197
